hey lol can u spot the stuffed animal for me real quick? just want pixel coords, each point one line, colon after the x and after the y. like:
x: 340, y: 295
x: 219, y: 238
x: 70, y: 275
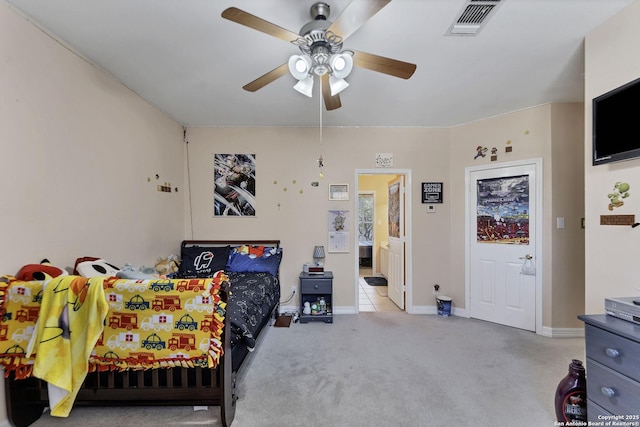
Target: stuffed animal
x: 41, y: 271
x: 167, y: 266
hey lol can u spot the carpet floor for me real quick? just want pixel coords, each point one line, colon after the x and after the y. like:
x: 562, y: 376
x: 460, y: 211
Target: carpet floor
x: 381, y: 369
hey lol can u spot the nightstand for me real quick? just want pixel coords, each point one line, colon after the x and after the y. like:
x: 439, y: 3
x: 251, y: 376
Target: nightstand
x: 313, y: 288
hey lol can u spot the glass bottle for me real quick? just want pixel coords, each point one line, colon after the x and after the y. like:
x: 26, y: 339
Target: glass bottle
x: 323, y: 306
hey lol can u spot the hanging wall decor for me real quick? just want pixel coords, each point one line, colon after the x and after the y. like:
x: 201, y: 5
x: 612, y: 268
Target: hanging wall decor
x: 620, y: 191
x: 393, y: 210
x: 234, y: 185
x: 503, y: 210
x: 480, y: 152
x: 338, y: 227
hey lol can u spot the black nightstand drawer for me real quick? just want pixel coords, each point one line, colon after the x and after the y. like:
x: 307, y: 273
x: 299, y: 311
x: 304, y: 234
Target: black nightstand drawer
x: 315, y: 286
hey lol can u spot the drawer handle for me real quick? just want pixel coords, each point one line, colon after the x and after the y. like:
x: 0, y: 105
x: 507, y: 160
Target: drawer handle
x: 607, y: 391
x: 315, y: 286
x: 612, y: 352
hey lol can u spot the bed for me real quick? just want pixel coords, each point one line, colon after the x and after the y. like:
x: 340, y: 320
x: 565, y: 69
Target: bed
x: 179, y: 368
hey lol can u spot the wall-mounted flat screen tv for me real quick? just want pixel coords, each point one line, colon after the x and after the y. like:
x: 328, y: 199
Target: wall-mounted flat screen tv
x: 616, y: 124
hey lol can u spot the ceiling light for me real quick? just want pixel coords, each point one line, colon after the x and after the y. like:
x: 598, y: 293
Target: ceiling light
x: 337, y: 85
x: 321, y: 54
x: 341, y: 64
x: 300, y: 66
x: 305, y: 86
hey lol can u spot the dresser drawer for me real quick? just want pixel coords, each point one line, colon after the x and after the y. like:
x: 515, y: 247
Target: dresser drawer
x: 613, y: 392
x: 594, y: 411
x: 614, y: 351
x: 315, y: 286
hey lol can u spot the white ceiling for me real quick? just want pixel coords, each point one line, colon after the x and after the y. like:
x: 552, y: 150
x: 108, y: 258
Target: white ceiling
x: 189, y: 62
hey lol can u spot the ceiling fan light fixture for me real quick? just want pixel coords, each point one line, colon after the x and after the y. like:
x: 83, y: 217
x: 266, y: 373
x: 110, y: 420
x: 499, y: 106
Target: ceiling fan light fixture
x: 305, y: 86
x: 341, y: 64
x: 337, y: 85
x: 300, y: 66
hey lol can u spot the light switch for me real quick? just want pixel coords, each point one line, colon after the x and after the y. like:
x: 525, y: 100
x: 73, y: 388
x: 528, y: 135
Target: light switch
x: 560, y: 222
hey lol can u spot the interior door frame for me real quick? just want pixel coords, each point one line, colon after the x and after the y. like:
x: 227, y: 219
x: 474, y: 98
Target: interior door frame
x: 408, y: 254
x: 470, y: 213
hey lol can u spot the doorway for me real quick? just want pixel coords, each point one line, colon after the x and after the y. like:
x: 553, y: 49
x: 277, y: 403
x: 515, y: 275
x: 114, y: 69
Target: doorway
x: 372, y: 242
x: 503, y: 251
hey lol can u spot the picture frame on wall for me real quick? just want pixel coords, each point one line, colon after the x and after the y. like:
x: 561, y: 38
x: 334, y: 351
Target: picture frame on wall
x: 338, y: 191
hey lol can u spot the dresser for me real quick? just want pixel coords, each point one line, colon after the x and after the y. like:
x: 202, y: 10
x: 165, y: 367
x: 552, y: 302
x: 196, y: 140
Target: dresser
x: 613, y: 368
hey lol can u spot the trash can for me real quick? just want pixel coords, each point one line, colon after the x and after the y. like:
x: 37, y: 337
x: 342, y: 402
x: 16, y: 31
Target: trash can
x: 444, y: 306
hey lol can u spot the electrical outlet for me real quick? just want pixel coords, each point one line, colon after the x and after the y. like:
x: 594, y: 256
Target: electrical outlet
x: 436, y: 289
x: 293, y: 290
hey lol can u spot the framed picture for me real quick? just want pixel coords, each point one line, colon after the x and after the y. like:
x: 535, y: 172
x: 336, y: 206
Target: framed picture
x: 338, y: 191
x: 431, y: 192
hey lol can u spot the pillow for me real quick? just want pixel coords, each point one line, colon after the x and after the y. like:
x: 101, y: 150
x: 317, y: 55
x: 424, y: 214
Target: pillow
x: 41, y: 271
x: 98, y: 267
x: 202, y: 262
x: 269, y: 262
x: 250, y: 250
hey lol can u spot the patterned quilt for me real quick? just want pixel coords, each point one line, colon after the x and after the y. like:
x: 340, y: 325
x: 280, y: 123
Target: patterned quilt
x: 150, y: 323
x: 253, y: 297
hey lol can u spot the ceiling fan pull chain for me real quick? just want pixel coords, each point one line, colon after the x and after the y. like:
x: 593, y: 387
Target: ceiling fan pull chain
x: 320, y: 159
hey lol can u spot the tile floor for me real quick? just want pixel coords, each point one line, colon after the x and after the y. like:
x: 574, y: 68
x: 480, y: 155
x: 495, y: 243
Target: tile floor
x: 373, y: 298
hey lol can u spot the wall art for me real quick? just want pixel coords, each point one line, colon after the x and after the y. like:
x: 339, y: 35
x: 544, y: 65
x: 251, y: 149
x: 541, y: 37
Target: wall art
x: 234, y: 191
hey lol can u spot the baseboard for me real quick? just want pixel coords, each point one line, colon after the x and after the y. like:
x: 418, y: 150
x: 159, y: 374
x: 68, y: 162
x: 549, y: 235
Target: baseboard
x: 416, y: 309
x: 336, y: 310
x: 562, y: 332
x: 455, y: 311
x: 345, y: 310
x: 288, y: 309
x: 433, y: 309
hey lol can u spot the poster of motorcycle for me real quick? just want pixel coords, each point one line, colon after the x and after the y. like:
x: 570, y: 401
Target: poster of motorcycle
x: 503, y: 210
x: 234, y: 191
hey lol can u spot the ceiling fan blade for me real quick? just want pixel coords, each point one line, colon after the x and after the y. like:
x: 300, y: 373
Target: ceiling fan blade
x: 244, y: 18
x: 355, y: 15
x: 267, y: 78
x: 330, y: 102
x: 381, y: 64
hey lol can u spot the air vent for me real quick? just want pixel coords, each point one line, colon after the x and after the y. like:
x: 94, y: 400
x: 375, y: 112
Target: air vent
x: 473, y: 17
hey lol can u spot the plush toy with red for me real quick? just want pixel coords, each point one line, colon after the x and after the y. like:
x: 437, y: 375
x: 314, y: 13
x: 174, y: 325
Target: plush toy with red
x: 41, y: 271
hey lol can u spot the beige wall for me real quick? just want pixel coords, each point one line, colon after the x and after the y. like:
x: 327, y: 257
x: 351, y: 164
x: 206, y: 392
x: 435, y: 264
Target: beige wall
x: 77, y: 148
x: 566, y: 299
x: 612, y: 268
x: 290, y: 209
x: 532, y: 133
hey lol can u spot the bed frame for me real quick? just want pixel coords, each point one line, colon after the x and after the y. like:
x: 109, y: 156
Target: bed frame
x: 26, y: 399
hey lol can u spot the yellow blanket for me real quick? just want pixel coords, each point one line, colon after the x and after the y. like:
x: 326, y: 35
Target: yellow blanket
x: 59, y: 329
x: 70, y: 322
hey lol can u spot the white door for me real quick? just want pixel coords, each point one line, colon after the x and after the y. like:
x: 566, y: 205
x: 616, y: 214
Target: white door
x: 502, y: 230
x: 396, y: 279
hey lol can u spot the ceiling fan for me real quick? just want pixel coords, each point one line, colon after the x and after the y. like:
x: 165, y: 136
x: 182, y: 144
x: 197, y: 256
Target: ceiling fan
x: 320, y: 42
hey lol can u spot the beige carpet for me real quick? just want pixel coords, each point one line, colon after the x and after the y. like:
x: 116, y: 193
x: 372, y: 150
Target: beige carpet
x: 382, y: 369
